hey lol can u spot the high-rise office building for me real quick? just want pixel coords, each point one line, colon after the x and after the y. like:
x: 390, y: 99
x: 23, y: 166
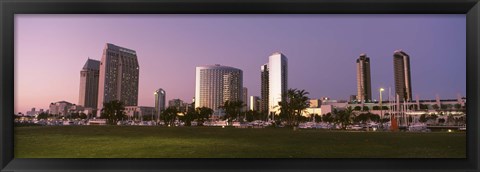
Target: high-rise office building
x: 277, y: 80
x: 364, y: 86
x: 89, y: 84
x: 403, y: 85
x: 245, y: 99
x: 160, y: 96
x: 119, y: 73
x: 254, y: 103
x: 264, y: 90
x: 215, y: 84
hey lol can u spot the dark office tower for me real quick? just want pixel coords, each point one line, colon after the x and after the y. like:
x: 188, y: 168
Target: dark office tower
x: 245, y: 99
x: 119, y: 73
x: 403, y: 85
x: 89, y: 84
x: 264, y: 89
x: 160, y: 101
x: 364, y: 86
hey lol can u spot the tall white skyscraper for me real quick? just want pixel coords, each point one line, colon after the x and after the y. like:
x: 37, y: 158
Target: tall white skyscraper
x: 254, y: 103
x: 160, y: 96
x: 119, y: 73
x: 277, y: 80
x: 215, y: 84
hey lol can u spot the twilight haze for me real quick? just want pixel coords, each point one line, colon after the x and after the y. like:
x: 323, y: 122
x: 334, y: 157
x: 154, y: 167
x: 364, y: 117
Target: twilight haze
x: 50, y: 51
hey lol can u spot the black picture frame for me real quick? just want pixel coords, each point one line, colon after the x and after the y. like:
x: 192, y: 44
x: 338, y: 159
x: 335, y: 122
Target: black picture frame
x: 8, y: 8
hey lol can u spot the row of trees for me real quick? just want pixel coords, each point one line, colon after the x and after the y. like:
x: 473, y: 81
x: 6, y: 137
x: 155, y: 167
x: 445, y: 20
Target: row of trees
x: 451, y: 120
x: 114, y: 111
x: 44, y: 115
x: 291, y: 108
x: 422, y: 107
x: 296, y: 101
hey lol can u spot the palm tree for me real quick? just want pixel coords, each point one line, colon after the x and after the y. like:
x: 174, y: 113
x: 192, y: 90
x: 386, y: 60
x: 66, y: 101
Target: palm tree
x: 232, y: 109
x: 344, y: 117
x: 237, y: 106
x: 189, y: 116
x: 169, y: 115
x: 299, y: 103
x: 296, y: 102
x: 203, y: 114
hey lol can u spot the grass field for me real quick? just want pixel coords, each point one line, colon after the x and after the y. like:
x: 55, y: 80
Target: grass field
x: 209, y: 142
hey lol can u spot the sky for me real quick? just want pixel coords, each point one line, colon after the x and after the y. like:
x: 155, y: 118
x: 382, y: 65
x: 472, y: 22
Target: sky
x: 51, y: 49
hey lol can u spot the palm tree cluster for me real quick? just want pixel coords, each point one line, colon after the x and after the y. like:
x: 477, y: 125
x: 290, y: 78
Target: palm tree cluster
x: 343, y: 117
x: 201, y: 114
x: 169, y: 116
x: 296, y: 101
x: 232, y: 110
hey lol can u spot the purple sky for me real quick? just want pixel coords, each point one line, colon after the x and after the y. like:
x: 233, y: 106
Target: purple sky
x: 50, y: 51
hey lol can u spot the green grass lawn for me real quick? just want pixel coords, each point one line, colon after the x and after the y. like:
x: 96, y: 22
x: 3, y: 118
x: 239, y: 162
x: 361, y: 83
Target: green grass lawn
x: 209, y: 142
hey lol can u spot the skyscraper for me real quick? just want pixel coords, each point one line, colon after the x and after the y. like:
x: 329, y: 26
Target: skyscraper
x: 159, y: 101
x: 89, y: 84
x: 254, y: 103
x: 401, y: 64
x: 264, y: 89
x: 364, y: 86
x: 119, y: 73
x: 215, y: 84
x: 245, y: 99
x: 277, y: 80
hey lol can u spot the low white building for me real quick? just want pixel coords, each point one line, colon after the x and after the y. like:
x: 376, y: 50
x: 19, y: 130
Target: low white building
x: 140, y: 111
x: 60, y: 108
x: 33, y: 112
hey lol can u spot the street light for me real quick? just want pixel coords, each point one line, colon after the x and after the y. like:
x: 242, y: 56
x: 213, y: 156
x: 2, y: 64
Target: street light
x: 381, y: 107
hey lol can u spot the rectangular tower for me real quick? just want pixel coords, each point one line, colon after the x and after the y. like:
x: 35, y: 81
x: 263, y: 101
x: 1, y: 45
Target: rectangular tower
x: 401, y: 64
x: 89, y: 84
x: 245, y: 99
x: 364, y: 86
x: 264, y: 89
x: 277, y: 81
x: 254, y: 103
x: 119, y: 74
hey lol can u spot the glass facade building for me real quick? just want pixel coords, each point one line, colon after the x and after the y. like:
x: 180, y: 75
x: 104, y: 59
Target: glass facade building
x: 215, y: 84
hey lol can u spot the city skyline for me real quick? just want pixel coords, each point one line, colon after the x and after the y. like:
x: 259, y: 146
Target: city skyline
x: 197, y: 44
